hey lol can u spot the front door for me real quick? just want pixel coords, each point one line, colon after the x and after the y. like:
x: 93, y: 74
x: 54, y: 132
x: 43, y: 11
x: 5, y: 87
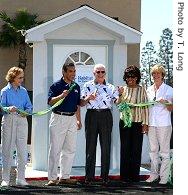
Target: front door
x: 84, y: 57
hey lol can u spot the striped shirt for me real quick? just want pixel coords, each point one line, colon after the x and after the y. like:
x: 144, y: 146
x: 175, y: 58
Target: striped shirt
x: 136, y: 95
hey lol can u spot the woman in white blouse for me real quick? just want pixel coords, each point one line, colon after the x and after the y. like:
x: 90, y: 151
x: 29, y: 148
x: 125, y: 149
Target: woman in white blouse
x: 160, y: 128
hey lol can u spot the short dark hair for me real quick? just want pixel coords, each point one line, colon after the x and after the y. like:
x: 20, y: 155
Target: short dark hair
x: 132, y: 71
x: 65, y: 66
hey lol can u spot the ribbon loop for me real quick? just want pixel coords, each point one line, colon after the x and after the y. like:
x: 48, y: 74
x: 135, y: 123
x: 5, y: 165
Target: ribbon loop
x: 125, y: 109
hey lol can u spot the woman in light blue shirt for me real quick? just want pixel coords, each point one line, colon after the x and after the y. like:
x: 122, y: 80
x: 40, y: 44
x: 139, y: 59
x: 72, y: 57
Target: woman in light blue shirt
x: 14, y: 125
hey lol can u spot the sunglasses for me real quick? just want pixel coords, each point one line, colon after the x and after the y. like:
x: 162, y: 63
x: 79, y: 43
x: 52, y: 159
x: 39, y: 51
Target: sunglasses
x: 131, y: 76
x: 102, y: 71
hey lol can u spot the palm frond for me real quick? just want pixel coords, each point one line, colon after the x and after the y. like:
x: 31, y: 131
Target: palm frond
x: 4, y: 17
x: 13, y: 32
x: 8, y: 37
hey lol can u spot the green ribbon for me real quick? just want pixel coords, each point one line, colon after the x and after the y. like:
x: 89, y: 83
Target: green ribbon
x: 39, y: 113
x: 125, y: 109
x: 126, y: 114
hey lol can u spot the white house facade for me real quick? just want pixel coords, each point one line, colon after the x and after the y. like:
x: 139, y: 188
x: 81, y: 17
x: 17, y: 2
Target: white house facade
x: 85, y: 37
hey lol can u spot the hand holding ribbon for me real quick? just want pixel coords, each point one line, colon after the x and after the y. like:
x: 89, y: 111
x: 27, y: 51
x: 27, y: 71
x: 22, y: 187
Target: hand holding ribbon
x: 39, y: 113
x: 125, y: 108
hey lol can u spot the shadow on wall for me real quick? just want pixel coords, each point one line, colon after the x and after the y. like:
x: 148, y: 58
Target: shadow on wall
x: 29, y: 119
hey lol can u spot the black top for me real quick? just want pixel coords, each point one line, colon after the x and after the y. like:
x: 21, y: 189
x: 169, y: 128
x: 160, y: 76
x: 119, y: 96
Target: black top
x: 71, y: 101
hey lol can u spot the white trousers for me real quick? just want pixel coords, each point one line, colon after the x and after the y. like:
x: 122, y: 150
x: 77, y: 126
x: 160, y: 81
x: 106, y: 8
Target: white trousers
x: 159, y: 141
x: 63, y: 135
x: 14, y: 134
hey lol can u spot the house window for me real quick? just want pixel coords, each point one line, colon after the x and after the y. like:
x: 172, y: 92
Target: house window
x: 80, y: 58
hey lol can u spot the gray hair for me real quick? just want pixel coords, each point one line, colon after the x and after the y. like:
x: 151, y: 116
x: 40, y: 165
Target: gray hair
x: 98, y: 66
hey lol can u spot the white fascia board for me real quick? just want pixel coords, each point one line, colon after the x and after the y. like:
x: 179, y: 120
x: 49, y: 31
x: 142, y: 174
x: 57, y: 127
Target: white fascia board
x: 128, y: 34
x: 37, y: 34
x: 53, y: 20
x: 113, y: 20
x: 51, y: 25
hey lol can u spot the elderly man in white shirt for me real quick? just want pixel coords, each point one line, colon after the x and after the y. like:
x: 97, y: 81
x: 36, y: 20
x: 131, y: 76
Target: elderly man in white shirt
x: 98, y: 96
x: 160, y: 128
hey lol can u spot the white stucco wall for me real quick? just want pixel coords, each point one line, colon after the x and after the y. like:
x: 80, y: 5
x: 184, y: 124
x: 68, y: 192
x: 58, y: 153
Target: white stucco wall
x: 79, y: 30
x: 119, y: 64
x: 40, y: 91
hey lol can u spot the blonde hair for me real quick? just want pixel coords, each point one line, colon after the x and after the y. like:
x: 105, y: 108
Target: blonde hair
x: 158, y: 68
x: 13, y: 73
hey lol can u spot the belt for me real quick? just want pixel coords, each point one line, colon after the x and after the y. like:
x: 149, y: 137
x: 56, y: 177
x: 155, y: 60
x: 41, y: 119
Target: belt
x: 98, y: 110
x: 64, y: 113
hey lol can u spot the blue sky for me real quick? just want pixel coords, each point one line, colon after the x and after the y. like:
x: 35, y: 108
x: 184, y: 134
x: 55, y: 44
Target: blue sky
x: 156, y: 15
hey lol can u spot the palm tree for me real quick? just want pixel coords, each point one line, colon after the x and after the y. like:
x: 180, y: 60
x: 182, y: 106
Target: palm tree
x: 13, y: 32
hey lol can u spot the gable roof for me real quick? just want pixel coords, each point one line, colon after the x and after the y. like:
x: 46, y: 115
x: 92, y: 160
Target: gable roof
x: 127, y: 33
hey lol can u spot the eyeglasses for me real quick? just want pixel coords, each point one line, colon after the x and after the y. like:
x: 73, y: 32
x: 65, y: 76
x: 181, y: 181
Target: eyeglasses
x: 20, y: 77
x: 102, y: 71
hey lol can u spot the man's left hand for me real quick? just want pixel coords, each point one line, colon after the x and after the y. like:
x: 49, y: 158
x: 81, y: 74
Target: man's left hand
x: 79, y: 125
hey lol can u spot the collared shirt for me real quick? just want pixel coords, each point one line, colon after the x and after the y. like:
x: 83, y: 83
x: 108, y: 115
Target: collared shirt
x: 70, y: 102
x: 136, y: 95
x: 105, y: 94
x: 16, y: 97
x: 159, y: 116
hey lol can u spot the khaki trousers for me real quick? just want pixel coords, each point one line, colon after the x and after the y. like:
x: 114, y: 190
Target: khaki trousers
x: 159, y: 141
x: 63, y: 134
x: 14, y: 134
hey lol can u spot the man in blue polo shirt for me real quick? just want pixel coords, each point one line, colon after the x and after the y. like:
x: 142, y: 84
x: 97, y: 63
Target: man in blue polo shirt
x: 64, y: 122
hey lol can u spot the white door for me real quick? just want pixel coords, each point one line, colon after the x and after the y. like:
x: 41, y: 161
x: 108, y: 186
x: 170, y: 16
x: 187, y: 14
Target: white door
x: 84, y: 57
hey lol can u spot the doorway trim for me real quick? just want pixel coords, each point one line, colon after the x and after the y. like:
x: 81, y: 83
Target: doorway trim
x: 51, y: 42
